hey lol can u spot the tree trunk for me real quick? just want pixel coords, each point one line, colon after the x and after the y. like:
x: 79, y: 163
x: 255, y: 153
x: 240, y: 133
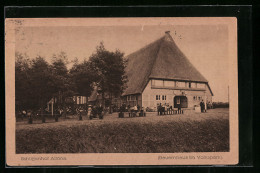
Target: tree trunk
x: 86, y: 103
x: 110, y: 103
x: 42, y: 115
x: 63, y: 103
x: 65, y: 112
x: 103, y: 100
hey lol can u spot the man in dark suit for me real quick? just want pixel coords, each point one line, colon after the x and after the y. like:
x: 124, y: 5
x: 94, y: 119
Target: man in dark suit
x: 201, y: 106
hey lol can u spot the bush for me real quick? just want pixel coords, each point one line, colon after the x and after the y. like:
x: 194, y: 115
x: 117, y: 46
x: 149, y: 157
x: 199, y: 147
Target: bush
x: 220, y: 105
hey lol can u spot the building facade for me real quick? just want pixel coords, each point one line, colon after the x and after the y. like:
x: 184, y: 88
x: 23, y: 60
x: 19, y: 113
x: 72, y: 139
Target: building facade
x: 160, y: 73
x: 175, y: 93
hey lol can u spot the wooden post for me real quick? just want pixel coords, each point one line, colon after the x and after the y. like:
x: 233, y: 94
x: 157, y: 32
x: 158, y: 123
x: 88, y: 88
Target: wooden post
x: 205, y: 101
x: 110, y: 102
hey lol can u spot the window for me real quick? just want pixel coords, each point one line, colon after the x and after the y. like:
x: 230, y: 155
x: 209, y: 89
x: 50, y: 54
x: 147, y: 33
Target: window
x: 189, y: 84
x: 157, y: 82
x: 193, y: 85
x: 195, y: 98
x: 169, y: 83
x: 200, y: 85
x: 157, y: 97
x: 163, y: 97
x: 199, y: 97
x: 133, y: 97
x: 180, y: 84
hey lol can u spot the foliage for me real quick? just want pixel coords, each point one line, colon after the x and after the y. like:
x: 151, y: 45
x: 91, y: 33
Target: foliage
x: 220, y: 105
x: 64, y: 86
x: 110, y: 70
x: 33, y: 82
x: 37, y: 81
x: 22, y: 82
x: 42, y: 84
x: 83, y: 77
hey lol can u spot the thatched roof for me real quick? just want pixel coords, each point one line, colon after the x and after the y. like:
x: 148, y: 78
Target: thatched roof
x: 161, y: 59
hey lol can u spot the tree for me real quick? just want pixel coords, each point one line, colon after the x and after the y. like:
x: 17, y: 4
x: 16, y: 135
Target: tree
x: 110, y: 70
x: 23, y: 97
x: 37, y: 81
x: 62, y: 84
x: 42, y: 83
x: 83, y: 76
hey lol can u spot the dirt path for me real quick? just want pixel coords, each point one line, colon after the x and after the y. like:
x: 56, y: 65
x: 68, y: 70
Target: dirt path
x: 220, y: 113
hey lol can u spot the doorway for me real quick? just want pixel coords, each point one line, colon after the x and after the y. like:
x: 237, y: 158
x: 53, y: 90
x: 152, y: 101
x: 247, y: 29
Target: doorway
x: 180, y: 102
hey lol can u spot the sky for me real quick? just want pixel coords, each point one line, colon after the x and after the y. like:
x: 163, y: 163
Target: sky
x: 206, y: 46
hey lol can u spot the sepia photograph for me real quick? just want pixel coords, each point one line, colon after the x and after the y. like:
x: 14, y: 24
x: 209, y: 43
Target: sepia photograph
x: 119, y: 91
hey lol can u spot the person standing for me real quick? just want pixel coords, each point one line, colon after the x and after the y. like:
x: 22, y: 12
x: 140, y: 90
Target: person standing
x: 135, y: 110
x: 129, y: 110
x: 179, y: 109
x: 144, y: 111
x: 201, y: 106
x: 138, y: 108
x: 206, y: 106
x: 160, y: 109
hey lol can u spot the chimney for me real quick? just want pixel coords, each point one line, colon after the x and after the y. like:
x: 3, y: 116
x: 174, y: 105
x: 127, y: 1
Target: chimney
x: 167, y: 32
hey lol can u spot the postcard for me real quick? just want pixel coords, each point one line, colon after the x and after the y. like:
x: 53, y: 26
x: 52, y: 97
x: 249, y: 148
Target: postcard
x: 121, y: 91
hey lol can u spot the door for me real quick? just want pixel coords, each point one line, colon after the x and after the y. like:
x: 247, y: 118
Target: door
x: 180, y: 102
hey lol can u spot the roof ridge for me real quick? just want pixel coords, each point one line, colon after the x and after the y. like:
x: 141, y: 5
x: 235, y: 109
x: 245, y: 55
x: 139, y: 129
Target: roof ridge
x: 146, y: 46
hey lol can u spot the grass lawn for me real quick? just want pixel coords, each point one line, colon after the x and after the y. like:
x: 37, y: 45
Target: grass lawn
x: 197, y: 132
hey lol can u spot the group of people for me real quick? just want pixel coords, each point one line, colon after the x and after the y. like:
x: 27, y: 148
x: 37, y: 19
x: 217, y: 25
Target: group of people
x: 97, y: 110
x: 163, y: 109
x: 132, y: 111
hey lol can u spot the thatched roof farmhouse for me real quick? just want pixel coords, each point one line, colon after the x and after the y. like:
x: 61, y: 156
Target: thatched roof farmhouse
x: 160, y: 73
